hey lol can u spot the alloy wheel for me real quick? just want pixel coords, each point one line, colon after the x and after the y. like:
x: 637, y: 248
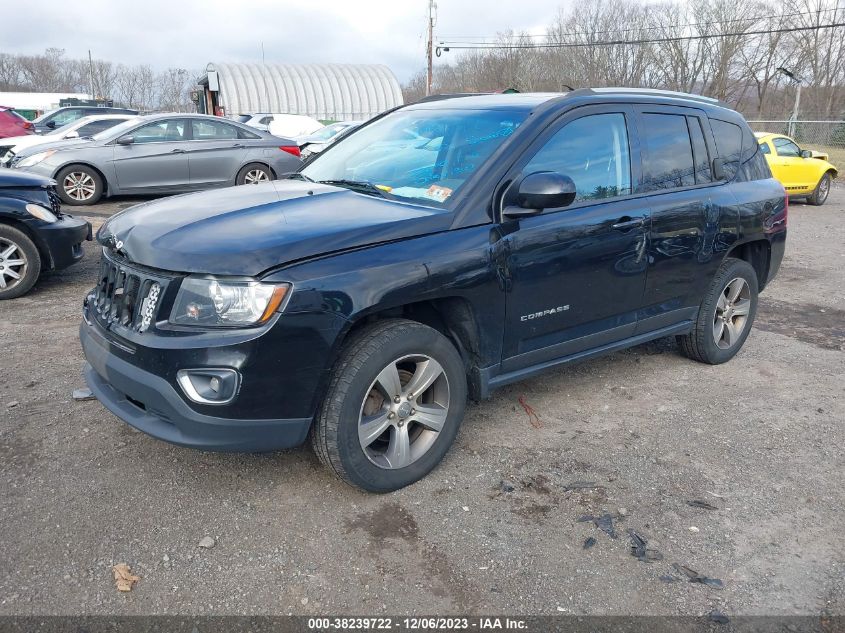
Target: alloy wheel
x: 824, y: 189
x: 255, y: 176
x: 404, y: 411
x: 12, y: 264
x: 79, y: 185
x: 732, y: 312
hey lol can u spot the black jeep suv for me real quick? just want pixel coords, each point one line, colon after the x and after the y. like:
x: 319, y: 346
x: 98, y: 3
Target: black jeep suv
x: 437, y: 252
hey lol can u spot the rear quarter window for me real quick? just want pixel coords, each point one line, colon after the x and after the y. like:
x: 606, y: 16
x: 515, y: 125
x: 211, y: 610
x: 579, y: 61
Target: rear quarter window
x: 739, y: 148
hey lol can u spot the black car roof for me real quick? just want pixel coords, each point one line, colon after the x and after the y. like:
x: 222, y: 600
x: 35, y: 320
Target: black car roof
x: 526, y: 101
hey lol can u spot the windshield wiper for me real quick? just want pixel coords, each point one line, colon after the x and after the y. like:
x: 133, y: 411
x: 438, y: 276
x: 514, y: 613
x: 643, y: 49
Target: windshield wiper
x: 362, y: 186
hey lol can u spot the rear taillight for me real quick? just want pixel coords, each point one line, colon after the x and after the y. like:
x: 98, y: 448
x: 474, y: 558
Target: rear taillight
x: 291, y: 149
x: 27, y: 125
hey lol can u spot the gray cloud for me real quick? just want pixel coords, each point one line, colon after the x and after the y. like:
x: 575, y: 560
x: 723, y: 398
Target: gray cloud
x: 189, y: 34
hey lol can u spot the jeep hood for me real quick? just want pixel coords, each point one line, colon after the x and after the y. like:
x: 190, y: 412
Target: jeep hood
x: 249, y: 229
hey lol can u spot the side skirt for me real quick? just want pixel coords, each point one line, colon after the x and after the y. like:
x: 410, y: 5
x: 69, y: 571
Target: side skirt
x: 490, y: 378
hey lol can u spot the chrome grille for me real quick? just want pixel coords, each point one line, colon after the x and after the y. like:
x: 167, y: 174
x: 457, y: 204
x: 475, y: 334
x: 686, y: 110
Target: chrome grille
x: 126, y: 296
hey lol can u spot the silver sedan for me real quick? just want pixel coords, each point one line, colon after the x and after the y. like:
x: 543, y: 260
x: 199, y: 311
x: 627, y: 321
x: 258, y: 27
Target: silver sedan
x: 162, y: 153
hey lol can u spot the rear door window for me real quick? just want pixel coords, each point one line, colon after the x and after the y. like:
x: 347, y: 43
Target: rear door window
x: 699, y: 151
x: 213, y: 130
x: 669, y: 163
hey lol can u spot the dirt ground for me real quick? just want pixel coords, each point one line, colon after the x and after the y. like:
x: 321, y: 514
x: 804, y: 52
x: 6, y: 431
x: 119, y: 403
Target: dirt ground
x: 495, y: 529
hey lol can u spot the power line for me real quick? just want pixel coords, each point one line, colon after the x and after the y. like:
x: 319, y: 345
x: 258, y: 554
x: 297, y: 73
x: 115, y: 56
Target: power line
x: 705, y: 36
x: 459, y: 39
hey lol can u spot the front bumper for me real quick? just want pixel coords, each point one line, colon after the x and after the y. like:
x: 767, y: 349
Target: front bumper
x: 152, y: 405
x: 62, y: 240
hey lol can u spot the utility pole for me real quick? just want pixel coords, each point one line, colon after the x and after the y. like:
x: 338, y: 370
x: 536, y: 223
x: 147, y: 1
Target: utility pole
x: 432, y: 9
x: 798, y: 81
x: 91, y: 73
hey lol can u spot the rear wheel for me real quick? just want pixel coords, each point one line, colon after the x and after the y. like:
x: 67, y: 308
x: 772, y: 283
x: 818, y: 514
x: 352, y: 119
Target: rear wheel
x: 254, y: 174
x: 79, y: 185
x: 822, y: 191
x: 395, y: 401
x: 20, y: 263
x: 725, y: 316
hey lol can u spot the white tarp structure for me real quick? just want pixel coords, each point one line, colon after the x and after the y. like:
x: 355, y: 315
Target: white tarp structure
x: 323, y: 91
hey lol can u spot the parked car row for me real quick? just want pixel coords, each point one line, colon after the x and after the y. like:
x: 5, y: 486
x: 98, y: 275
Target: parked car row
x: 163, y: 153
x: 81, y: 128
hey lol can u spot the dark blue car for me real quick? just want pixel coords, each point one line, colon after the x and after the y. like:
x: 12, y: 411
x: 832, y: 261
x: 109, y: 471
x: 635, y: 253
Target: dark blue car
x: 437, y: 252
x: 35, y: 235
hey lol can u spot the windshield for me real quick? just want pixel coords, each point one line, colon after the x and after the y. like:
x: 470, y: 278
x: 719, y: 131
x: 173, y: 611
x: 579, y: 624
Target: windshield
x: 45, y: 115
x: 117, y: 130
x: 242, y: 118
x: 329, y: 131
x: 424, y: 155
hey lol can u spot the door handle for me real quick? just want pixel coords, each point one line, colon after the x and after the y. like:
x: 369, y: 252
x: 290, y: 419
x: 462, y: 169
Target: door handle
x: 177, y: 151
x: 239, y: 145
x: 626, y: 223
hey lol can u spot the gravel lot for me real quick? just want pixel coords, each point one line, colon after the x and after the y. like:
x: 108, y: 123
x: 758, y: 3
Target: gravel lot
x: 495, y: 529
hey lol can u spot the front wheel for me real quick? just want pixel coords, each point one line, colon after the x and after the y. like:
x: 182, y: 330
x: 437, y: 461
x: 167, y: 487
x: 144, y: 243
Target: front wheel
x: 395, y: 401
x: 20, y: 263
x: 822, y: 191
x: 725, y: 316
x: 79, y: 185
x: 254, y: 174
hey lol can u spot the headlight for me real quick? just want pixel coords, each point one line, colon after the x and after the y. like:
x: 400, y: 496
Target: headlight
x: 29, y: 161
x: 219, y: 302
x: 41, y: 213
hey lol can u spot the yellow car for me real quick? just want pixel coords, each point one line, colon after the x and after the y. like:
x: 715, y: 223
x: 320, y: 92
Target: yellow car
x: 803, y: 173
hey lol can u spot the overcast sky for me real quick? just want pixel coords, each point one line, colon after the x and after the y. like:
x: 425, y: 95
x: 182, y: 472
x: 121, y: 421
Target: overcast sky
x: 190, y: 34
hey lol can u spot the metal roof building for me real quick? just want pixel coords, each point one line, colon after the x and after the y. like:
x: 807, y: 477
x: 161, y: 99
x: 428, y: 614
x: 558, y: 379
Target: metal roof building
x: 323, y: 91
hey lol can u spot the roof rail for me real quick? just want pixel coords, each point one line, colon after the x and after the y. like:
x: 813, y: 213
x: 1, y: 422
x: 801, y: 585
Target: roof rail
x: 649, y: 91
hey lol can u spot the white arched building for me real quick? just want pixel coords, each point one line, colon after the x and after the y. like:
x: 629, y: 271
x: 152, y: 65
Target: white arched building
x: 322, y: 91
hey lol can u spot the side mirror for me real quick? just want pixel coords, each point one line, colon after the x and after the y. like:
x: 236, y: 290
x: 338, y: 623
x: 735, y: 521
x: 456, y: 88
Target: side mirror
x: 73, y: 134
x: 51, y: 125
x: 805, y: 153
x: 540, y: 190
x: 719, y: 169
x: 126, y: 140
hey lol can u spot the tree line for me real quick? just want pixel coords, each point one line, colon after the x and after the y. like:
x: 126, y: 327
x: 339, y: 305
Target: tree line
x: 727, y: 49
x: 138, y: 87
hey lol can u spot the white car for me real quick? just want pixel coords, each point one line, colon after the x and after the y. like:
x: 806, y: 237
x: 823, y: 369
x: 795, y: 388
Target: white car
x: 322, y: 138
x: 293, y: 125
x: 85, y: 126
x: 286, y: 125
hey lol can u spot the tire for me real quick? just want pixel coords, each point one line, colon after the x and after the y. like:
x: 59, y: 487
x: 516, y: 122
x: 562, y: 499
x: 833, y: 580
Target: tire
x: 701, y: 343
x: 20, y: 263
x: 822, y: 191
x: 254, y: 174
x: 79, y: 185
x: 358, y: 389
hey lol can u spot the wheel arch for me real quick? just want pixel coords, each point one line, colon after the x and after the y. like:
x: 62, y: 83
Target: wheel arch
x: 758, y: 253
x: 82, y: 163
x: 263, y: 163
x: 451, y: 316
x: 41, y: 247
